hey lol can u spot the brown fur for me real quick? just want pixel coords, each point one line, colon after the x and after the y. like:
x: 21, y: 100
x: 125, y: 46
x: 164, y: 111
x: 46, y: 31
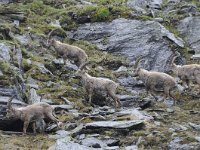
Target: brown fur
x: 31, y: 113
x: 66, y: 50
x: 92, y: 84
x: 156, y: 81
x: 186, y: 72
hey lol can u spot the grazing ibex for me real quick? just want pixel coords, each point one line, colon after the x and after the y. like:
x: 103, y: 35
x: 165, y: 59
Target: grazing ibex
x: 155, y: 81
x: 65, y: 50
x: 92, y: 84
x: 31, y: 113
x: 186, y: 72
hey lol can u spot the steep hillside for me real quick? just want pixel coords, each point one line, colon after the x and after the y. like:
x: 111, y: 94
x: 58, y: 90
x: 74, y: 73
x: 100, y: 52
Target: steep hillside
x: 113, y: 34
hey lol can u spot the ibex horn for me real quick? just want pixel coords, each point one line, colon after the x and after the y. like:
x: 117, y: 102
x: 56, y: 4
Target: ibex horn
x: 9, y: 101
x: 138, y: 61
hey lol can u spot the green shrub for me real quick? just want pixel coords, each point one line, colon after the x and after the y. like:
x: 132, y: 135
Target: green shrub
x: 102, y: 14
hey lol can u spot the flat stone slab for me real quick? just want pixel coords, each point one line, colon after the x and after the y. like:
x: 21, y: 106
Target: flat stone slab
x: 195, y: 126
x: 134, y: 113
x: 196, y: 57
x: 115, y: 124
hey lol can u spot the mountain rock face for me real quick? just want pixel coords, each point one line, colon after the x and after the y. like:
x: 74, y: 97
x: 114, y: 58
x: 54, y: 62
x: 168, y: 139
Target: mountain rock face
x: 113, y: 33
x: 190, y: 29
x: 132, y: 38
x: 142, y: 5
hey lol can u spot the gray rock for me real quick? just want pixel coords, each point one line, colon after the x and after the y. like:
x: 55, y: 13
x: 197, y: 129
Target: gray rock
x: 115, y: 124
x: 59, y: 134
x: 175, y: 144
x: 142, y: 6
x: 16, y: 16
x: 71, y: 66
x: 133, y: 147
x: 190, y: 30
x: 134, y: 113
x: 158, y: 19
x: 16, y: 23
x: 127, y: 81
x: 196, y: 57
x: 66, y: 144
x: 4, y: 52
x: 197, y: 138
x: 77, y: 129
x: 195, y: 126
x: 67, y: 101
x: 169, y: 110
x: 5, y: 1
x: 32, y: 83
x: 43, y: 69
x: 56, y: 23
x: 121, y: 69
x: 132, y: 38
x: 139, y: 6
x: 4, y: 100
x: 7, y: 91
x: 34, y: 98
x: 93, y: 142
x: 59, y: 61
x: 85, y: 2
x: 24, y: 39
x: 112, y: 148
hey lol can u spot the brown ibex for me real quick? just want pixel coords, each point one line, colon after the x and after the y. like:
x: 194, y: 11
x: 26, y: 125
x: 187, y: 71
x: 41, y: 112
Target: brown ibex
x: 155, y: 81
x: 186, y: 72
x: 65, y: 50
x: 31, y: 113
x: 92, y: 84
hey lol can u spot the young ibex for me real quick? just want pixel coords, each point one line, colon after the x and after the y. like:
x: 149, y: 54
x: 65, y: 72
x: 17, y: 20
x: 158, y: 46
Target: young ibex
x: 156, y: 81
x: 186, y: 72
x: 92, y: 84
x: 65, y: 50
x: 31, y: 113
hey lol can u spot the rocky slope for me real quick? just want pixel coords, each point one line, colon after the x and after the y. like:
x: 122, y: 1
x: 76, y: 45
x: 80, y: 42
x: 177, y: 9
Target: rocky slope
x: 113, y: 34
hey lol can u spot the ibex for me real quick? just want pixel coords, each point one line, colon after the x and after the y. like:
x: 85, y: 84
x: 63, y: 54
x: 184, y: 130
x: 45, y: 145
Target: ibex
x: 186, y: 72
x: 65, y: 50
x: 31, y: 113
x: 92, y: 84
x: 155, y: 81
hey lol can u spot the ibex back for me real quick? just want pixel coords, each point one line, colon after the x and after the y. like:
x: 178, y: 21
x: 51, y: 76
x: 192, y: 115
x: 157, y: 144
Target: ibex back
x: 92, y: 84
x: 186, y: 72
x: 31, y: 113
x: 67, y: 51
x: 156, y: 81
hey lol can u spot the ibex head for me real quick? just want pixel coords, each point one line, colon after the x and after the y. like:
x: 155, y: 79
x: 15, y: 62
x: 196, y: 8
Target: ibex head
x: 10, y: 111
x: 136, y: 67
x: 50, y: 41
x: 81, y: 69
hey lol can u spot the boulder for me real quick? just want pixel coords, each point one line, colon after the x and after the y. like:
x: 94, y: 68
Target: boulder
x: 190, y: 30
x: 176, y: 144
x: 132, y: 38
x: 134, y: 124
x: 4, y: 52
